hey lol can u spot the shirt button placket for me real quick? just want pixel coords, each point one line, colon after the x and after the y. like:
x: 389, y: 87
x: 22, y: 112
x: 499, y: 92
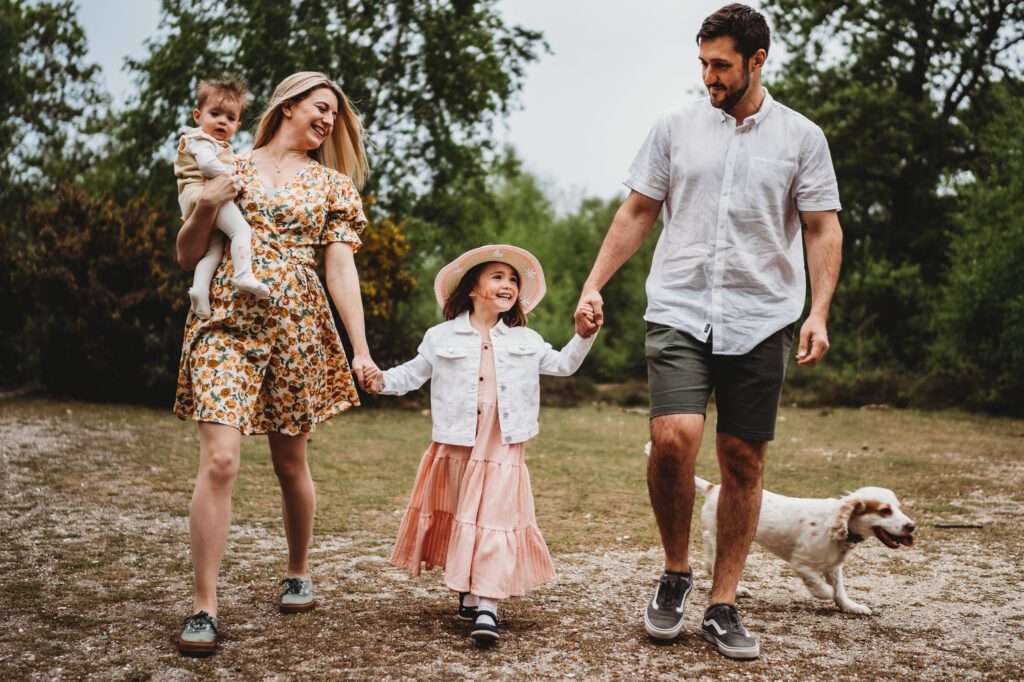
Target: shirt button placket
x: 721, y: 242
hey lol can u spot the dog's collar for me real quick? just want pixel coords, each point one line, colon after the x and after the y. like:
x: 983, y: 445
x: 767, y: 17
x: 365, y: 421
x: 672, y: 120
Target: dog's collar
x: 854, y: 538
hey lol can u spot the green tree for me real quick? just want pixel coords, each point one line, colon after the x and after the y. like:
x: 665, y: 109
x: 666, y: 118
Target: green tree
x: 980, y: 315
x: 50, y: 95
x: 899, y: 89
x: 430, y: 77
x: 890, y: 83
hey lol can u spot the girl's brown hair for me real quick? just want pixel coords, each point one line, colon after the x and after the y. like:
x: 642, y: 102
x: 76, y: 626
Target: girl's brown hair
x: 460, y: 302
x: 343, y: 150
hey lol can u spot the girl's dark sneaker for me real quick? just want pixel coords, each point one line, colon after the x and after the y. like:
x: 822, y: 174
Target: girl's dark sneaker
x: 722, y: 627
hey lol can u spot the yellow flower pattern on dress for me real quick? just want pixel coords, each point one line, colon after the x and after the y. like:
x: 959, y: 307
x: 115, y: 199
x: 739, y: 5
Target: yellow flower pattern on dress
x: 277, y: 364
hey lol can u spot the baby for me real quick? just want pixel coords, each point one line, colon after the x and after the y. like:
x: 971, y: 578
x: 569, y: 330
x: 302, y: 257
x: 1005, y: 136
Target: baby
x: 205, y: 152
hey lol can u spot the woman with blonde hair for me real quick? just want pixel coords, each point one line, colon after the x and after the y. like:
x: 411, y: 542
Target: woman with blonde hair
x: 274, y: 366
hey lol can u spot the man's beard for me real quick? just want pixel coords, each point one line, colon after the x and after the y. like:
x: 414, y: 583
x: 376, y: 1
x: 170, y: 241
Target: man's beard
x: 733, y: 98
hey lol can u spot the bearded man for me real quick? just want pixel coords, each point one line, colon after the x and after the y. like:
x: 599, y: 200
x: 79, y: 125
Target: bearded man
x: 745, y: 183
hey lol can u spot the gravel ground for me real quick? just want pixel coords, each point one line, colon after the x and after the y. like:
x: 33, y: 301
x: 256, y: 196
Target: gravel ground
x: 95, y: 588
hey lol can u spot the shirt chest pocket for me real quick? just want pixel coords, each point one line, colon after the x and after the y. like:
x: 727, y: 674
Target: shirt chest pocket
x: 451, y: 353
x: 522, y: 356
x: 769, y: 182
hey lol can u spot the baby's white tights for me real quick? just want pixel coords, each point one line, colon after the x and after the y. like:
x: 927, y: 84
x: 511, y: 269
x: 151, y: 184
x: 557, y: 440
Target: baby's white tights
x: 231, y: 222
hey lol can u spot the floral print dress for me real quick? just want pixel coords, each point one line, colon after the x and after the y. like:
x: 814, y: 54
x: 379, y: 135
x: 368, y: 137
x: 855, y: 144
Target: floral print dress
x: 277, y: 364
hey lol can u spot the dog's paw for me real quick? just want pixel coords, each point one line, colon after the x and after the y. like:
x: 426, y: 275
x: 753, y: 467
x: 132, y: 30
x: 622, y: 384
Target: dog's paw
x: 743, y: 593
x: 855, y: 608
x: 821, y: 591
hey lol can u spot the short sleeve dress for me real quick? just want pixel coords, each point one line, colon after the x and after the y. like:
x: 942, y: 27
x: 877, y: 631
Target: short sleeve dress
x: 276, y: 364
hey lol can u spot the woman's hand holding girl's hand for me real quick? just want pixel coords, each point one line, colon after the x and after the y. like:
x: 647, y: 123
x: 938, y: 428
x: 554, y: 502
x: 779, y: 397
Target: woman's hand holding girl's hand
x: 585, y: 313
x: 362, y: 366
x: 374, y: 379
x: 221, y: 189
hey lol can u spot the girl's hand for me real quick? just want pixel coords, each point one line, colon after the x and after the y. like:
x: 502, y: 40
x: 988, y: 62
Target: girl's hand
x: 590, y: 321
x: 374, y: 379
x: 361, y: 364
x: 589, y: 314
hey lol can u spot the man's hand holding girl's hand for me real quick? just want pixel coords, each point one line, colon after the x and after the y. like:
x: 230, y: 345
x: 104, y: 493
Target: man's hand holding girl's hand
x: 588, y: 320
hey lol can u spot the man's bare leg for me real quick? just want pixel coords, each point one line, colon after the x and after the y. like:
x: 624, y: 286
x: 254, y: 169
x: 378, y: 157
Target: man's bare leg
x: 675, y: 441
x: 739, y: 506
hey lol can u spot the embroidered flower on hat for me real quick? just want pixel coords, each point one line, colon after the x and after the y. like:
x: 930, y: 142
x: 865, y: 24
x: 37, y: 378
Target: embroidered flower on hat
x: 498, y: 253
x: 530, y: 273
x: 525, y: 300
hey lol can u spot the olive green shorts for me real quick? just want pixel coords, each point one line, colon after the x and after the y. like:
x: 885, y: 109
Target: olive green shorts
x: 682, y: 372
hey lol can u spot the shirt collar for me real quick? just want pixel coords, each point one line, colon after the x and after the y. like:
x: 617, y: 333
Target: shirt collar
x: 756, y: 117
x: 463, y: 326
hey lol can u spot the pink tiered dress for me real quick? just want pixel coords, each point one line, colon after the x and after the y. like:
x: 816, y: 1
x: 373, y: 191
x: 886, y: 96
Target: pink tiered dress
x: 472, y: 512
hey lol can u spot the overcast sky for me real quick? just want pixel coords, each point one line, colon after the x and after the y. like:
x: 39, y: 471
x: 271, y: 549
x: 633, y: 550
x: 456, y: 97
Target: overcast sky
x: 614, y: 67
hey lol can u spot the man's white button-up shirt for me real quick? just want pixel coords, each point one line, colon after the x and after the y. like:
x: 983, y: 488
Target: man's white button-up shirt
x: 730, y: 261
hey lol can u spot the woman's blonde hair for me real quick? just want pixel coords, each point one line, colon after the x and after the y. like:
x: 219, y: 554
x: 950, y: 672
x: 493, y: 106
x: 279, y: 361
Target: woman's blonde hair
x: 343, y: 150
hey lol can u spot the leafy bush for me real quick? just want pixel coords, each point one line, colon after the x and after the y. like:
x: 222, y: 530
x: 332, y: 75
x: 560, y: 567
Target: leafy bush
x: 104, y: 299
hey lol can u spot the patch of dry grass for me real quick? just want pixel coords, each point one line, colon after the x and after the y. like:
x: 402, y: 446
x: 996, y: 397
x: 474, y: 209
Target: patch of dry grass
x: 94, y: 552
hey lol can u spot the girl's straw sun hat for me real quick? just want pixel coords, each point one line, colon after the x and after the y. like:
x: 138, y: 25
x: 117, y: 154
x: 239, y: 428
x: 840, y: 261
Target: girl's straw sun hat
x: 531, y: 276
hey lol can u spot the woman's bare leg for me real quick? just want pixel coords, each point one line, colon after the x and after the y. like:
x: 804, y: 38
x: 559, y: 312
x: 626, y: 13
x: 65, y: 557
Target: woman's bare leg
x: 298, y: 498
x: 210, y: 511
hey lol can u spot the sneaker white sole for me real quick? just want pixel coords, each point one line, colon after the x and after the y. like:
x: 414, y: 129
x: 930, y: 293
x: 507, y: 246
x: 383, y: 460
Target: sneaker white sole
x: 733, y: 651
x: 298, y: 608
x: 660, y: 633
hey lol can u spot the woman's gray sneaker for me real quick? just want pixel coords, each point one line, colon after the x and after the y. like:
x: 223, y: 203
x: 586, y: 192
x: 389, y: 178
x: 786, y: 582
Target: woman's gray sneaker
x: 722, y: 627
x: 200, y: 634
x: 297, y: 596
x: 663, y: 618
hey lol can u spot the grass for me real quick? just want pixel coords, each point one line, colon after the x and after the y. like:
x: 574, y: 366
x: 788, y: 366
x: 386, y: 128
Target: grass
x: 96, y: 497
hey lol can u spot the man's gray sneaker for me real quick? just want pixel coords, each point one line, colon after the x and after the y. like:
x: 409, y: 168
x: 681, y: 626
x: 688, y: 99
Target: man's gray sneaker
x: 297, y: 596
x: 722, y: 627
x: 200, y: 634
x: 663, y: 618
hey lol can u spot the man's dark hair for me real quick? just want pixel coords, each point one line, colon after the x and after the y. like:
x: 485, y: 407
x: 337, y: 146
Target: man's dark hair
x: 743, y: 24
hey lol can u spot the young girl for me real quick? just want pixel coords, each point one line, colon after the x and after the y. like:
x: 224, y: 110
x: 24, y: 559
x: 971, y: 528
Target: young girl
x: 471, y: 510
x: 204, y: 152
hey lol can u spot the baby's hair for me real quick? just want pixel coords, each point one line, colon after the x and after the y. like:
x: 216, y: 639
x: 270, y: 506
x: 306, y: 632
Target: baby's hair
x: 220, y: 90
x: 460, y: 302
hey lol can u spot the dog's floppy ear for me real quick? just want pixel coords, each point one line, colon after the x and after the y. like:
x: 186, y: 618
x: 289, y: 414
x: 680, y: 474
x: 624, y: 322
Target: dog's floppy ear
x: 839, y: 525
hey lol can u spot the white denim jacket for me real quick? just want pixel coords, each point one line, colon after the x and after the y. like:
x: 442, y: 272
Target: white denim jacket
x: 450, y: 357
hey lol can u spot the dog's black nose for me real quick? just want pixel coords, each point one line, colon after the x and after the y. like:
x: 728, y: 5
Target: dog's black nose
x: 909, y: 528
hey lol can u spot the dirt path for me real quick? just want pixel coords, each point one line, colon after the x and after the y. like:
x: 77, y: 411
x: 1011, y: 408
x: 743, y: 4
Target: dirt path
x: 94, y: 583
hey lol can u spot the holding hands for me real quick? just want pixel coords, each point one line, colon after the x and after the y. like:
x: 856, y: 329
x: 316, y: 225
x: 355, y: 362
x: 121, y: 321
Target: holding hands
x: 589, y: 314
x: 373, y: 380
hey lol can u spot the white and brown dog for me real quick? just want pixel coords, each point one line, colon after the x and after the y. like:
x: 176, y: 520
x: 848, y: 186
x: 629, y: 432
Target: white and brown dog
x: 815, y: 535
